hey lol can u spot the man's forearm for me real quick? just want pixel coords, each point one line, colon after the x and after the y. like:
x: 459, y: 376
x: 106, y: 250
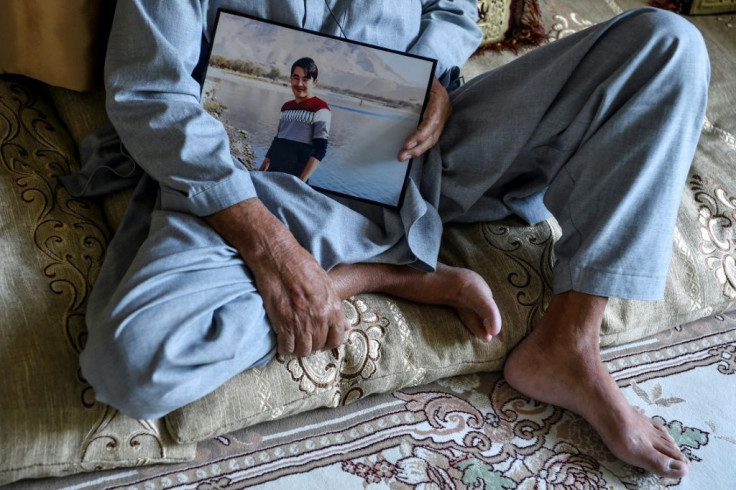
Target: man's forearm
x: 253, y: 231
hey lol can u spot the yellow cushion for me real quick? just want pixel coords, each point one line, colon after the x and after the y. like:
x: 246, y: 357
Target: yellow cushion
x: 61, y: 43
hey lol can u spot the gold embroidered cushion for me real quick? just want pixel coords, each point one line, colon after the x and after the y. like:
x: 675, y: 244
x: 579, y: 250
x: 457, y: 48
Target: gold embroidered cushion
x: 51, y: 247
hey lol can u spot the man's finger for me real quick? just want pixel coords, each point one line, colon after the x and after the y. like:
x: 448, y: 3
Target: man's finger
x: 319, y: 336
x: 303, y: 344
x: 420, y: 141
x: 428, y: 133
x: 335, y: 336
x: 421, y: 147
x: 425, y: 131
x: 285, y: 342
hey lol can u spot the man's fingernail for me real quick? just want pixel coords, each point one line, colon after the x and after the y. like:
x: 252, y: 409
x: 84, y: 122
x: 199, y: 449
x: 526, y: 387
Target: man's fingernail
x: 676, y: 465
x: 488, y: 323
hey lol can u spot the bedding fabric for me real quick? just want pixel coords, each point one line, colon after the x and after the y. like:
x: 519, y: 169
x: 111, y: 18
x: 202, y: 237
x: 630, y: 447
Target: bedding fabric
x: 51, y: 247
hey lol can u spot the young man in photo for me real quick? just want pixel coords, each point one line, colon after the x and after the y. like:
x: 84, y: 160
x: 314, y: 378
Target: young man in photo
x: 304, y: 126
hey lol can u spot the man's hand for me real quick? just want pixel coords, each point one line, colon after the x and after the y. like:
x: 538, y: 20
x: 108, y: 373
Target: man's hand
x: 301, y: 303
x: 429, y: 131
x: 265, y: 164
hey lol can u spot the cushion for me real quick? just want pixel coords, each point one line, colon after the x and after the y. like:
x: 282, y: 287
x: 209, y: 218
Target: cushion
x: 497, y: 19
x: 509, y: 25
x: 51, y: 248
x: 61, y: 43
x: 697, y: 7
x: 83, y: 113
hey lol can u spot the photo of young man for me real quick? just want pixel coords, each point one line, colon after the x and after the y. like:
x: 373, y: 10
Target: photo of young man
x: 304, y: 126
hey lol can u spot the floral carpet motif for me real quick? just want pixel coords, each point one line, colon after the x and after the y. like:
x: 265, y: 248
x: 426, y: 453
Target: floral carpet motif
x: 477, y: 432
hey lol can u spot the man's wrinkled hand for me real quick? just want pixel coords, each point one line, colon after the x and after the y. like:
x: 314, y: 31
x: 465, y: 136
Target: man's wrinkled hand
x: 300, y: 300
x: 302, y: 305
x: 433, y: 122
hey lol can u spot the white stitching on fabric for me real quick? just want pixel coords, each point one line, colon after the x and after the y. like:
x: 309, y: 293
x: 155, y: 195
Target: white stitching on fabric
x: 727, y: 137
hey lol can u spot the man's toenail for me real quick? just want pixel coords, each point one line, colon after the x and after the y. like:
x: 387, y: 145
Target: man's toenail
x: 488, y: 323
x: 676, y: 465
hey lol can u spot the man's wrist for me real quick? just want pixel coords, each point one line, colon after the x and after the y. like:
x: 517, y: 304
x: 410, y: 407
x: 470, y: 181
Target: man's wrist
x: 249, y: 227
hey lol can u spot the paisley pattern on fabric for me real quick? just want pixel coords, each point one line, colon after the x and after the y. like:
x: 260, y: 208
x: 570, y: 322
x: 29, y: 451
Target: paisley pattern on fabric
x: 66, y: 231
x: 54, y: 245
x: 342, y: 369
x: 716, y: 221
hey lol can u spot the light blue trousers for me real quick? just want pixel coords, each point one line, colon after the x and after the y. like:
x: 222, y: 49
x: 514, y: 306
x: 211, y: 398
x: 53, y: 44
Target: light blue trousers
x: 598, y: 129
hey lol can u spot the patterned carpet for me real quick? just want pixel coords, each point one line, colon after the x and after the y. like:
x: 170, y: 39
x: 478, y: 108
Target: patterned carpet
x: 477, y: 432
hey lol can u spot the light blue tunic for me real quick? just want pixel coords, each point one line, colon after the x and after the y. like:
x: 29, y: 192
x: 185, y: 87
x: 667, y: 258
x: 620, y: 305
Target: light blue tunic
x: 599, y: 128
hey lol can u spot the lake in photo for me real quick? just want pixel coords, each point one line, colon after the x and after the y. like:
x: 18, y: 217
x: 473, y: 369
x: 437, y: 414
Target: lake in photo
x: 364, y: 139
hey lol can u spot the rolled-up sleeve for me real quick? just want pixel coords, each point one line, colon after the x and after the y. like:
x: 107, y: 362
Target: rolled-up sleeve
x: 153, y: 102
x: 449, y: 32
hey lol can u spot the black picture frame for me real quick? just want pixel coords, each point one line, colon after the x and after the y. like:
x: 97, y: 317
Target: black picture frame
x: 376, y: 98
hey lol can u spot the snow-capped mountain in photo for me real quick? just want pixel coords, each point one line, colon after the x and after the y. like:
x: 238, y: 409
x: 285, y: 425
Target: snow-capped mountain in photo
x: 341, y: 64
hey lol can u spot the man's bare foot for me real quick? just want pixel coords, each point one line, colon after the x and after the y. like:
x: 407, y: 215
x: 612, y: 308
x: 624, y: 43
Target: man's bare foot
x: 471, y: 297
x: 462, y: 289
x: 560, y: 363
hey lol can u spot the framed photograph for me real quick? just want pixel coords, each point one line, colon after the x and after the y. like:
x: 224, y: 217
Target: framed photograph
x: 330, y: 111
